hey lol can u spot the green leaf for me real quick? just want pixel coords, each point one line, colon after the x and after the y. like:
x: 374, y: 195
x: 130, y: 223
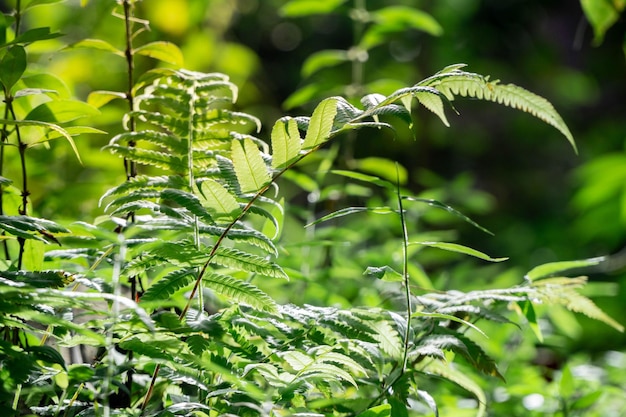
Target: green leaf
x: 553, y: 268
x: 453, y: 247
x: 40, y: 279
x: 97, y: 44
x: 566, y: 384
x: 433, y: 103
x: 239, y: 260
x: 351, y: 210
x: 151, y: 350
x: 48, y: 82
x: 528, y: 310
x: 457, y: 376
x: 385, y: 273
x: 12, y: 66
x: 448, y: 317
x: 602, y: 14
x: 99, y: 98
x: 3, y: 29
x: 323, y: 59
x: 321, y: 124
x: 163, y: 51
x: 61, y: 111
x: 25, y: 227
x: 387, y: 337
x: 34, y: 3
x: 559, y: 291
x: 437, y: 204
x: 32, y: 259
x: 398, y: 407
x: 394, y: 19
x: 467, y: 84
x: 387, y: 169
x: 252, y: 173
x: 383, y: 410
x: 363, y: 177
x: 219, y: 202
x: 188, y: 201
x: 298, y: 8
x: 286, y: 143
x: 46, y: 354
x: 239, y: 291
x: 34, y: 35
x: 58, y: 129
x: 169, y: 284
x: 429, y: 400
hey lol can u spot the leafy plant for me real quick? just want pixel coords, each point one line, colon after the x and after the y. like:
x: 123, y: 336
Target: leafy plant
x: 195, y: 232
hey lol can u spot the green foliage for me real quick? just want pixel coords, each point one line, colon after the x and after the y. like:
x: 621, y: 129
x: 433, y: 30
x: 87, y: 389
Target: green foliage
x: 178, y: 290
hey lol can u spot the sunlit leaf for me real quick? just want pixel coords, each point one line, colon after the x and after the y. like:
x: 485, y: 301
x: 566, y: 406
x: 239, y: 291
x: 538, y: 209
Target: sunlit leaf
x: 351, y: 210
x: 323, y: 59
x: 454, y: 247
x: 163, y: 51
x: 383, y: 410
x: 98, y: 44
x: 552, y: 268
x: 602, y: 14
x: 220, y: 203
x: 99, y: 98
x: 61, y: 111
x: 297, y: 8
x: 321, y: 124
x: 286, y: 143
x: 252, y: 173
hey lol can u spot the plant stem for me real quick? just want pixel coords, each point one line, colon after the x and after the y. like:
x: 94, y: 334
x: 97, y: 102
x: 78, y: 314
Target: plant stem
x: 405, y: 274
x: 23, y: 210
x: 4, y: 136
x: 130, y: 166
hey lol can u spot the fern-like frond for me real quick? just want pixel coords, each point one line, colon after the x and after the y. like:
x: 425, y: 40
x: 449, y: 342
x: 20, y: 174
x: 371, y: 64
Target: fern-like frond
x: 244, y: 235
x: 239, y: 260
x: 142, y: 182
x: 239, y: 291
x: 163, y: 140
x: 27, y: 227
x: 562, y: 291
x: 149, y: 157
x: 461, y: 83
x: 451, y: 373
x: 169, y: 284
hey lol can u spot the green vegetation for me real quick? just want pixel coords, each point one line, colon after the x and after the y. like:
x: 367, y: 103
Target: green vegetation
x: 176, y: 243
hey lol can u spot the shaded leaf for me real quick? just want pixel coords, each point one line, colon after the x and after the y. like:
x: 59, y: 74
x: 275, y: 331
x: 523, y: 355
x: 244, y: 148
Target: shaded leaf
x: 435, y: 203
x: 12, y: 66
